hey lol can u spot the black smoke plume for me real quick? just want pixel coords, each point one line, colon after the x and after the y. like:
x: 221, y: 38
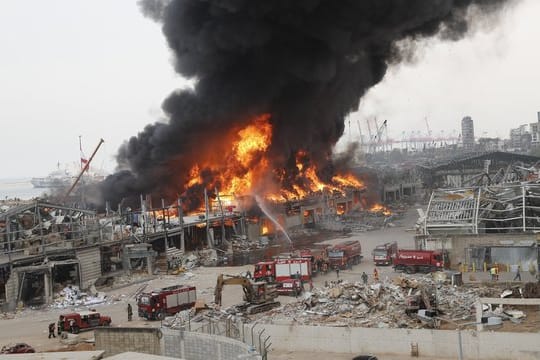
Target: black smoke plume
x: 306, y: 62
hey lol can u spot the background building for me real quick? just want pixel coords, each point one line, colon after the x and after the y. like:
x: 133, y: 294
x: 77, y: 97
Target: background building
x: 467, y: 133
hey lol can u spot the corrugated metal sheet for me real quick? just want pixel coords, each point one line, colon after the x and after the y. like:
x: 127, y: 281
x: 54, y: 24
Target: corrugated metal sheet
x: 90, y: 263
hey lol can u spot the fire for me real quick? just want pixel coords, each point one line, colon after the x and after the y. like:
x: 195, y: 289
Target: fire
x: 265, y: 230
x: 245, y: 168
x: 380, y: 208
x: 246, y: 160
x: 255, y: 138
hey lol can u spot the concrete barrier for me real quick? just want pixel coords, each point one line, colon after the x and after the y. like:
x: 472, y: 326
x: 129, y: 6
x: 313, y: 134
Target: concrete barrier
x: 199, y: 346
x: 431, y: 343
x: 172, y: 343
x: 115, y: 340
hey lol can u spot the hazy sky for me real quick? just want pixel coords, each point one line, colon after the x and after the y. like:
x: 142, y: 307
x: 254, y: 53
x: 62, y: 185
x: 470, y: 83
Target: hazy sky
x: 100, y: 69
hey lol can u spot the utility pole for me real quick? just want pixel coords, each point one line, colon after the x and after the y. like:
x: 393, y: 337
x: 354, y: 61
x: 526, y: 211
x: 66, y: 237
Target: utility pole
x: 207, y: 213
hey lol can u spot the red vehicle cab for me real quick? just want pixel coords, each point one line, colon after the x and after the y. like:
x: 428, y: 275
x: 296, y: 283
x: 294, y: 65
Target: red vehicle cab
x: 167, y: 301
x: 291, y: 287
x: 85, y: 320
x: 18, y: 348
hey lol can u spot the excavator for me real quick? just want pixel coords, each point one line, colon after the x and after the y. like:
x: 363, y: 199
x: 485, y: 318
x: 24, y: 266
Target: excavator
x: 258, y: 296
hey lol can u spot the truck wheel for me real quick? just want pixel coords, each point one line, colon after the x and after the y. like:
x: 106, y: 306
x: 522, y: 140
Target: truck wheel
x: 75, y: 330
x: 409, y: 270
x: 160, y: 315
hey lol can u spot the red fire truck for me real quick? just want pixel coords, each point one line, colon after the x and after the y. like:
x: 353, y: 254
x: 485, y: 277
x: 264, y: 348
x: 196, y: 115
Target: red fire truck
x: 412, y: 261
x: 385, y: 254
x: 318, y: 258
x: 345, y: 254
x: 290, y: 272
x: 157, y: 304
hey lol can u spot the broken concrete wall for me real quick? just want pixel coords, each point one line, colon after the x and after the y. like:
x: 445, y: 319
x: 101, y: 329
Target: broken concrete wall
x: 431, y: 343
x: 115, y: 340
x: 90, y: 265
x: 292, y: 221
x: 172, y: 343
x: 12, y: 288
x: 199, y: 346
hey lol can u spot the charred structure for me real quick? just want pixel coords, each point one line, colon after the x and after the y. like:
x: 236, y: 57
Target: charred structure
x: 302, y: 65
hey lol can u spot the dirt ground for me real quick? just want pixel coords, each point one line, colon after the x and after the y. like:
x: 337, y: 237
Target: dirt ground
x: 30, y: 325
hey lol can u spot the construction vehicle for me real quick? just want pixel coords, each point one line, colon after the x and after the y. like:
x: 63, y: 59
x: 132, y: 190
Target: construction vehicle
x: 413, y: 261
x: 345, y: 254
x: 258, y: 295
x: 385, y: 254
x: 167, y: 301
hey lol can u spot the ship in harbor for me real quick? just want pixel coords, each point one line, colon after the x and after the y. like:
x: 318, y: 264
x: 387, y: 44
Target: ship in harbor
x: 63, y: 178
x: 57, y: 179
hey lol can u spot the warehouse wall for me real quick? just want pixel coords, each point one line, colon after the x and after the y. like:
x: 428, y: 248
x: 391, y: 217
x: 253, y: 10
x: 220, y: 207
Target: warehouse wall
x: 90, y: 265
x: 431, y: 343
x: 456, y: 244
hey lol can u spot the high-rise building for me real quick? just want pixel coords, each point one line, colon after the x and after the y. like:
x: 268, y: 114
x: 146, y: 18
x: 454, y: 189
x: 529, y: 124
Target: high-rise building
x: 467, y: 133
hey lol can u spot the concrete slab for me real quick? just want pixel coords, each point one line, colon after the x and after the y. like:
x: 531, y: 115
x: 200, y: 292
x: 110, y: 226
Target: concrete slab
x: 64, y: 355
x: 130, y: 355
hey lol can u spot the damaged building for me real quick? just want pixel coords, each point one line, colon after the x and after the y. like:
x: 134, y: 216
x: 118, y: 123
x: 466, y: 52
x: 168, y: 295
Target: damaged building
x: 46, y: 247
x: 494, y: 221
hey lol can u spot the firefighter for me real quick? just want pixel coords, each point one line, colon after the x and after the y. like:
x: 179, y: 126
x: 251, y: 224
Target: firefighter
x: 337, y: 271
x: 364, y: 277
x: 130, y: 312
x: 72, y: 326
x: 51, y: 330
x: 375, y: 274
x: 60, y: 326
x: 493, y: 273
x: 518, y: 274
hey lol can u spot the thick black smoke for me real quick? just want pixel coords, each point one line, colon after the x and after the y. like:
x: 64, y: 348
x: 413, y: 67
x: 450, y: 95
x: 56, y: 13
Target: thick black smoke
x: 306, y: 62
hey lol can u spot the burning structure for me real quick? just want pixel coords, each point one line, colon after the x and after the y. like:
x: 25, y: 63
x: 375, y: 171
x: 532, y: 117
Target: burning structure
x: 274, y: 83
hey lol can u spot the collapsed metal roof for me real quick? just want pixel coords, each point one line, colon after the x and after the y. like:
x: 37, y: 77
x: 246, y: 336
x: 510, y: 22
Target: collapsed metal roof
x: 504, y: 208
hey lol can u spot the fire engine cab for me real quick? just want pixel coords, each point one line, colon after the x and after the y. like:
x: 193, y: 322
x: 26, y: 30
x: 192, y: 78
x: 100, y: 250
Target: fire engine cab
x: 166, y: 301
x: 288, y: 273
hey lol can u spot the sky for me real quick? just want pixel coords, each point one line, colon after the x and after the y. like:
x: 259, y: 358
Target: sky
x: 99, y: 69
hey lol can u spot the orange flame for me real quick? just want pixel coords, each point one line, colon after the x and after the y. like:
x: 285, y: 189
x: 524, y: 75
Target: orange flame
x: 239, y: 170
x: 380, y: 208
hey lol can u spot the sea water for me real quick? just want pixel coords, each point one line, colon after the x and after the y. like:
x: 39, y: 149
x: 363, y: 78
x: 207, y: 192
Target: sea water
x: 20, y: 188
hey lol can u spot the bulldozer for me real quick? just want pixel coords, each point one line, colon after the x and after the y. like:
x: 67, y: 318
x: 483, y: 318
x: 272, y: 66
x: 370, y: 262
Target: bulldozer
x: 258, y: 296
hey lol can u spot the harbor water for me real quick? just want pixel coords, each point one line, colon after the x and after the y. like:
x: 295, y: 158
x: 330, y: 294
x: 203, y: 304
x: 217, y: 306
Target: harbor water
x: 19, y: 188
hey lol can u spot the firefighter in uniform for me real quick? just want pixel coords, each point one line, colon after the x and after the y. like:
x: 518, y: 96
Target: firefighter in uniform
x: 51, y: 330
x: 129, y: 312
x: 60, y: 326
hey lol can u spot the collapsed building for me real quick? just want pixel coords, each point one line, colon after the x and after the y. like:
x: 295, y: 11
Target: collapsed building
x: 49, y: 247
x: 493, y: 220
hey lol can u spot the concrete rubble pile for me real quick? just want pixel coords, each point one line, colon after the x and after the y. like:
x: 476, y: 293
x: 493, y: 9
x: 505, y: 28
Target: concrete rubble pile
x: 72, y: 296
x: 180, y: 319
x: 375, y: 305
x: 242, y: 243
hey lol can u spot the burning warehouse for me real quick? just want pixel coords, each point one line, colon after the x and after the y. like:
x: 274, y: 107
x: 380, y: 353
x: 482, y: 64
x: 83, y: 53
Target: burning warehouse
x: 274, y: 83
